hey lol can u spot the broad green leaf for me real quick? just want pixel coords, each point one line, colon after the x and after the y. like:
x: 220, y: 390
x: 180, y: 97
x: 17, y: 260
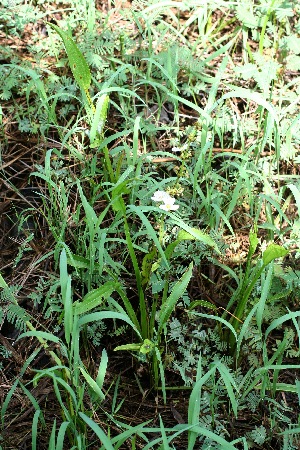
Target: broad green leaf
x: 78, y: 64
x: 102, y: 369
x: 185, y: 235
x: 146, y: 347
x: 61, y: 436
x: 40, y: 335
x: 272, y: 252
x: 165, y: 442
x: 94, y: 298
x: 177, y: 292
x: 52, y: 436
x: 91, y: 216
x: 99, y: 120
x: 182, y: 236
x: 147, y: 265
x: 195, y: 233
x: 253, y: 239
x: 285, y: 387
x: 151, y: 232
x: 101, y: 315
x: 229, y: 384
x: 218, y: 319
x: 202, y: 303
x: 104, y: 439
x: 194, y: 403
x: 129, y: 347
x: 92, y: 384
x: 79, y: 262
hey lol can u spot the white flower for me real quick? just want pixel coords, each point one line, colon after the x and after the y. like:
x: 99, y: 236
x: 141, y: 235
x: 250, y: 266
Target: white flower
x: 168, y: 201
x: 168, y: 205
x: 183, y: 148
x: 161, y: 196
x: 263, y: 246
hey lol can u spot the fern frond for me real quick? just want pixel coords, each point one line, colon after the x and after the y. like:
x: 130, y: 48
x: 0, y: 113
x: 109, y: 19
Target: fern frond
x: 17, y: 316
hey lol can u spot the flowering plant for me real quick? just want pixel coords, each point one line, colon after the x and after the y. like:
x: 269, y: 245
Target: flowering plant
x: 168, y: 201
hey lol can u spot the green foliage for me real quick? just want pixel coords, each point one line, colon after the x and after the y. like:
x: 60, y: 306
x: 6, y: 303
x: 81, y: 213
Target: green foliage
x: 199, y: 104
x: 263, y: 71
x: 79, y: 67
x: 11, y: 310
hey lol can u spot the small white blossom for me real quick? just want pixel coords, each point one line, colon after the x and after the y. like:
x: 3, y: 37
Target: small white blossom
x: 168, y: 205
x: 183, y: 148
x: 263, y: 246
x: 161, y: 196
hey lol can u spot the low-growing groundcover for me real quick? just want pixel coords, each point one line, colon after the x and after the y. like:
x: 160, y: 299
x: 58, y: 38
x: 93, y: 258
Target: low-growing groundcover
x: 149, y: 224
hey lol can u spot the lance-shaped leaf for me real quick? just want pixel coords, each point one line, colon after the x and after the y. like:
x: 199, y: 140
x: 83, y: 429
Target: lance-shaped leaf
x: 177, y: 292
x: 272, y: 252
x: 78, y: 64
x: 99, y: 120
x: 94, y: 298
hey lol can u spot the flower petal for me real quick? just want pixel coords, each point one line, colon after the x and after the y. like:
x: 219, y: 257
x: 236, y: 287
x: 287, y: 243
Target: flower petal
x: 160, y: 196
x: 169, y: 206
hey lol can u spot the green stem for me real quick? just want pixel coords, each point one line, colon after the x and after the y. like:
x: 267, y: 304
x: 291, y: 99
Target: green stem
x: 239, y: 312
x: 264, y: 27
x: 142, y: 303
x: 108, y: 165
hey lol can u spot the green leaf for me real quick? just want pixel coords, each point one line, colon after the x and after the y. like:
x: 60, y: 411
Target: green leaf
x: 3, y: 283
x: 246, y: 71
x: 253, y: 243
x: 78, y: 64
x: 229, y: 384
x: 102, y: 369
x: 40, y: 335
x: 203, y: 303
x: 101, y: 315
x: 195, y: 233
x: 147, y: 265
x: 99, y: 120
x: 92, y: 383
x: 272, y: 252
x: 132, y: 347
x: 79, y: 262
x: 104, y: 439
x: 182, y: 236
x: 146, y: 347
x: 177, y: 292
x: 246, y: 16
x: 151, y: 232
x: 188, y: 232
x: 94, y: 298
